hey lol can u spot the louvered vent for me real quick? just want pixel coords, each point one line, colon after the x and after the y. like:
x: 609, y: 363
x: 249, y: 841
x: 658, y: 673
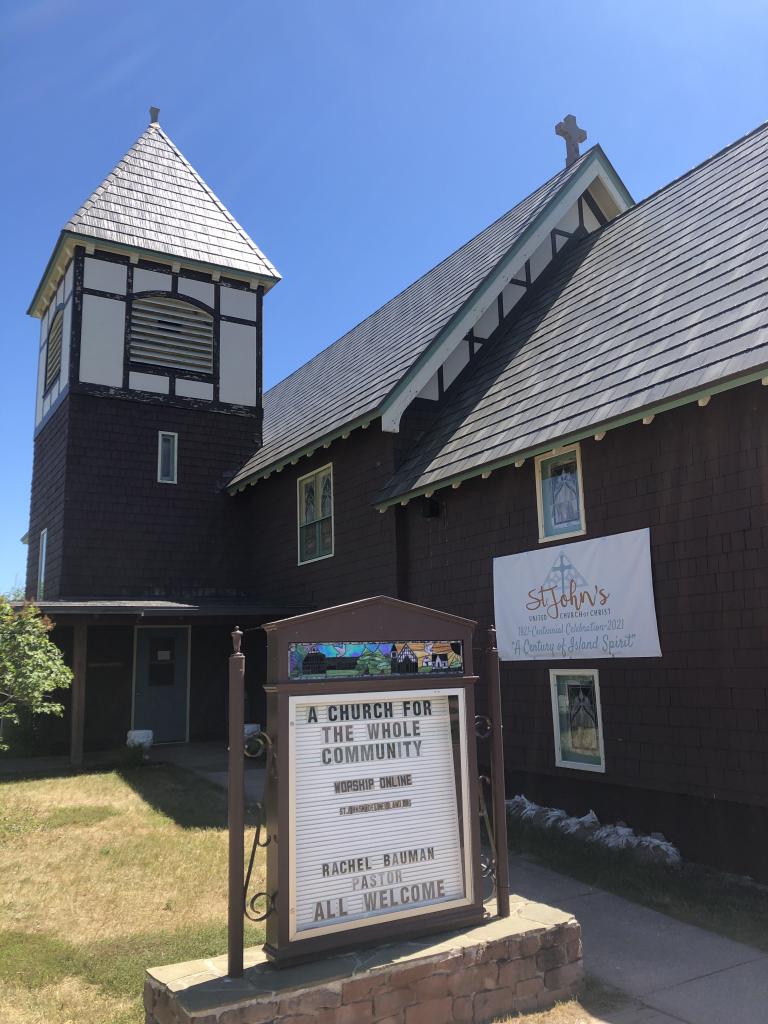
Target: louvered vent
x: 169, y: 332
x: 53, y: 353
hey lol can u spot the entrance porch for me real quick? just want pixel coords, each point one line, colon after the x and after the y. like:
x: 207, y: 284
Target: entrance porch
x: 155, y: 664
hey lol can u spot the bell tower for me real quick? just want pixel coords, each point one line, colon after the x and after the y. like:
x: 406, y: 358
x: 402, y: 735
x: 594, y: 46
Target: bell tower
x: 149, y: 389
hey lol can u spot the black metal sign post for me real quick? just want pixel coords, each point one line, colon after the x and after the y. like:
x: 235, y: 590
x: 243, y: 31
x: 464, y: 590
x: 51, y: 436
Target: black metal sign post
x: 236, y: 808
x: 501, y: 867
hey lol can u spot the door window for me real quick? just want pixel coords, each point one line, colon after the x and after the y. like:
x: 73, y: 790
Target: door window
x: 162, y: 661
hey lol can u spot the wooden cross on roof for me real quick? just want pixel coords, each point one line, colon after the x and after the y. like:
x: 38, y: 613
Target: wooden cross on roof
x: 573, y: 135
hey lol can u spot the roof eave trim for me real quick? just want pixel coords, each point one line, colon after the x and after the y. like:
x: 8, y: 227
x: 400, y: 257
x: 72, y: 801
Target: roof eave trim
x: 68, y: 239
x: 291, y: 458
x: 600, y: 426
x: 37, y: 299
x: 595, y: 165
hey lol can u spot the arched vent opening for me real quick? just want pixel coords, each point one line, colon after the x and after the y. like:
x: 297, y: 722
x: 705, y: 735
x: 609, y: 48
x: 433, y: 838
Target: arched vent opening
x: 169, y: 332
x: 53, y: 351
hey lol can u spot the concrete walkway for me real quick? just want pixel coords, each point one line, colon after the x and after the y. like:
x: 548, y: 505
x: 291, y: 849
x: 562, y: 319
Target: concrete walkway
x: 209, y: 760
x: 674, y: 972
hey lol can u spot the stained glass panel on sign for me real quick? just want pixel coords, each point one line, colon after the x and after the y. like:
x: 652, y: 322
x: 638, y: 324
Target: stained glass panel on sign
x: 375, y: 658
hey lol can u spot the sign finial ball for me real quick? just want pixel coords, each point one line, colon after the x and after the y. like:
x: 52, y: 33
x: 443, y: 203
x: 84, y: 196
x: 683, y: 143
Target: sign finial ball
x: 237, y: 636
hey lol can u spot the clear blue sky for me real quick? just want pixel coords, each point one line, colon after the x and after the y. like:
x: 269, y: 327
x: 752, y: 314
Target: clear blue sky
x: 357, y: 142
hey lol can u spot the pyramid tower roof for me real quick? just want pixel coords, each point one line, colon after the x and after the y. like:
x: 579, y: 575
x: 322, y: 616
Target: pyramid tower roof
x: 155, y: 201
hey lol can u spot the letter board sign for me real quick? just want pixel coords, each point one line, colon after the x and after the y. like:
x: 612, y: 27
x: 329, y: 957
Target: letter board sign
x: 381, y: 804
x: 371, y: 798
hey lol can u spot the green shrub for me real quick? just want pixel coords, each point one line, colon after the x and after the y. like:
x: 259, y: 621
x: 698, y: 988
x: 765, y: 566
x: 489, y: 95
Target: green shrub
x: 31, y: 666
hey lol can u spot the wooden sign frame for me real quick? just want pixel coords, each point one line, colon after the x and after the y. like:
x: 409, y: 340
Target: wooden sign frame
x: 372, y: 620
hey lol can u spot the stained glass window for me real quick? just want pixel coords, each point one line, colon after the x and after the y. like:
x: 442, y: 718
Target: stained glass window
x: 560, y: 497
x: 316, y: 515
x: 577, y: 720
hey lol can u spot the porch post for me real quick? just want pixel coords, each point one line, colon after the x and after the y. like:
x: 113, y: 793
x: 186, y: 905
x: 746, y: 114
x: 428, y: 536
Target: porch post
x: 77, y: 713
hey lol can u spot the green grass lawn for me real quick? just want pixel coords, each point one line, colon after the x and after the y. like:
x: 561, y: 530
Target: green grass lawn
x: 104, y: 874
x: 107, y: 873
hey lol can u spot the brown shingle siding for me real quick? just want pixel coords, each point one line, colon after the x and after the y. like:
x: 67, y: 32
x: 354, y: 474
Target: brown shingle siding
x: 128, y: 535
x: 688, y: 721
x: 47, y: 501
x: 364, y: 560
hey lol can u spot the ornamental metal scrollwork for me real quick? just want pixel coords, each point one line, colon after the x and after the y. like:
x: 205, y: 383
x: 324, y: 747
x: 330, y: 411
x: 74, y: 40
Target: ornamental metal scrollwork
x: 256, y: 745
x: 483, y: 727
x: 257, y: 844
x: 488, y: 867
x: 487, y: 860
x: 250, y: 907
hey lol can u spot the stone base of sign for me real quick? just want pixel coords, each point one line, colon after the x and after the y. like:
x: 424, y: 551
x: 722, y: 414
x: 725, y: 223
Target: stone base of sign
x: 525, y: 962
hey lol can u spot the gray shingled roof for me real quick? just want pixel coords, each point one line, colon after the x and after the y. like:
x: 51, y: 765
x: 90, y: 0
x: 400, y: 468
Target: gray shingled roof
x: 351, y: 378
x: 668, y: 300
x: 154, y: 200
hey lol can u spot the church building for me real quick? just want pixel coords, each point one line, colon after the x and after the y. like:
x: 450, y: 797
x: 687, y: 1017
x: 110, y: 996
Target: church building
x: 585, y: 369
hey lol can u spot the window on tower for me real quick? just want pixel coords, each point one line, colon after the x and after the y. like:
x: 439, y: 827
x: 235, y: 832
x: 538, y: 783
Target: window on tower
x: 167, y: 446
x: 315, y: 515
x: 53, y: 351
x: 166, y: 331
x: 42, y: 553
x: 559, y: 494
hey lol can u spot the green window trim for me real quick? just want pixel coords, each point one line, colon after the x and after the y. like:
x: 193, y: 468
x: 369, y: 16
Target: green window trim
x: 315, y: 525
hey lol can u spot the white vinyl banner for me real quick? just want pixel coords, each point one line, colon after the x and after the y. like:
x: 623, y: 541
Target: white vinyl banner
x: 376, y: 827
x: 586, y: 600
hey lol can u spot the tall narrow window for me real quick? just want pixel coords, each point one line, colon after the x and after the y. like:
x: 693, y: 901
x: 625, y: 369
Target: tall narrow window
x: 41, y: 555
x: 559, y: 494
x: 53, y: 351
x: 577, y: 719
x: 315, y: 498
x: 167, y: 445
